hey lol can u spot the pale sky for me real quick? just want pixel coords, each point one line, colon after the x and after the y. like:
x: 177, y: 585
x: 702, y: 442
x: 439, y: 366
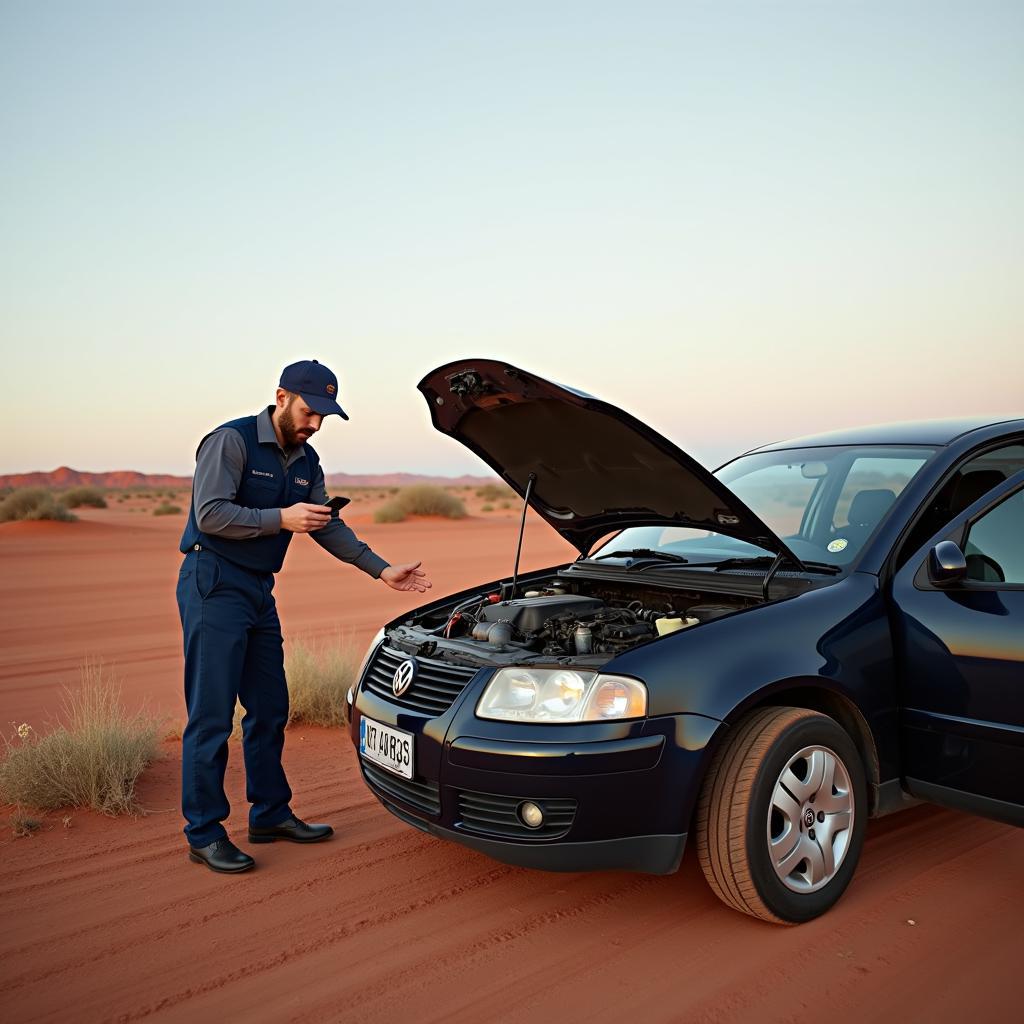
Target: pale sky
x: 739, y: 221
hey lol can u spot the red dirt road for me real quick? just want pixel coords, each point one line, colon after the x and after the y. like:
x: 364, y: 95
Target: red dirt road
x: 107, y: 920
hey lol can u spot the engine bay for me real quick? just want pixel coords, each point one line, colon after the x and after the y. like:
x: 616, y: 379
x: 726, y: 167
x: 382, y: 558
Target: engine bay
x: 555, y: 619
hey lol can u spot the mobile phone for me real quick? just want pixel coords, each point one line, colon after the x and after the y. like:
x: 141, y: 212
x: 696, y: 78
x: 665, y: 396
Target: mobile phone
x: 337, y: 504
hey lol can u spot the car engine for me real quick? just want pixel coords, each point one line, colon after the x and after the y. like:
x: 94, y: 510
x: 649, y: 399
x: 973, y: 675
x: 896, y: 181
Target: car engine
x: 549, y: 620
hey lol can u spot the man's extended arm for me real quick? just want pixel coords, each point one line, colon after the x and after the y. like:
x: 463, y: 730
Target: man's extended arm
x: 339, y: 540
x: 219, y: 466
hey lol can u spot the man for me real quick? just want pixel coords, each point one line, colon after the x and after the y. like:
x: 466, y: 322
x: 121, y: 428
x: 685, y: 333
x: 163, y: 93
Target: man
x: 257, y: 482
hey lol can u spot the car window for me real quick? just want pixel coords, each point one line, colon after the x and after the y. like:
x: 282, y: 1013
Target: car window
x: 794, y: 492
x: 877, y: 482
x: 779, y: 493
x: 968, y: 482
x: 995, y: 544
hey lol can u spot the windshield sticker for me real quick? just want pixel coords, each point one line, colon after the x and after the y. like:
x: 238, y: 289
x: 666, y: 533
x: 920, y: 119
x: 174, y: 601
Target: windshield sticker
x: 838, y: 544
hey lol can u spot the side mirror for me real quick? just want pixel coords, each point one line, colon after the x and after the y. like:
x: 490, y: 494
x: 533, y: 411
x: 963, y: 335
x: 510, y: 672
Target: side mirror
x: 946, y: 564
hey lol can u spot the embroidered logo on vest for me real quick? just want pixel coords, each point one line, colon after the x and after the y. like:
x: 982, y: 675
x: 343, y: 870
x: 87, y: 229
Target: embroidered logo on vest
x: 301, y: 482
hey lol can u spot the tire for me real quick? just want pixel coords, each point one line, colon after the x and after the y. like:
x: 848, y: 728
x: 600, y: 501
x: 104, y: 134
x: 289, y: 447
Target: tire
x: 766, y: 780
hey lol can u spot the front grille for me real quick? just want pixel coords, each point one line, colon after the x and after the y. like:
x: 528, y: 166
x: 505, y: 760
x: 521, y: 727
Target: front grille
x: 434, y: 689
x: 419, y: 793
x: 496, y: 815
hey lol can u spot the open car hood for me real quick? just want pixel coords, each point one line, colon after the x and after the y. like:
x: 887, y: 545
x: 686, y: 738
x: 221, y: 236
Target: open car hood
x: 598, y: 469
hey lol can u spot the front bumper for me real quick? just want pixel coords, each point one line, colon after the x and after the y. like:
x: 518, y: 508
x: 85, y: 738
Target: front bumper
x: 616, y: 795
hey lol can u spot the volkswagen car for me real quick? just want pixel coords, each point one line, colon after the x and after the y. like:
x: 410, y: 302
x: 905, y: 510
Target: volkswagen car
x: 756, y: 659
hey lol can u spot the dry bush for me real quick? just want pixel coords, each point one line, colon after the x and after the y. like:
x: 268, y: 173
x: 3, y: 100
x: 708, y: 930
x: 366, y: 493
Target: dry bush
x: 165, y: 509
x: 319, y: 674
x: 421, y: 500
x: 494, y: 492
x: 389, y: 513
x: 30, y: 503
x: 90, y: 497
x: 487, y: 508
x: 92, y: 759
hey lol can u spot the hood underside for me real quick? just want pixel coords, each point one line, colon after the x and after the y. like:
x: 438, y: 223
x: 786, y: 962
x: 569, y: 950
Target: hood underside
x: 597, y: 469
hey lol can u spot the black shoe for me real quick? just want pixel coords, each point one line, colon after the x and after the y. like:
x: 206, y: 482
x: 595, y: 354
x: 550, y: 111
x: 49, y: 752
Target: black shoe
x: 221, y: 855
x: 292, y: 829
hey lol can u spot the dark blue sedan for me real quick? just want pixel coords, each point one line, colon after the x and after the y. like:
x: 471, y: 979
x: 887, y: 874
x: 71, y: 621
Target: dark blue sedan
x: 821, y: 631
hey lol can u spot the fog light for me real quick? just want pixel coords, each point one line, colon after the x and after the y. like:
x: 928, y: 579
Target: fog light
x: 530, y: 814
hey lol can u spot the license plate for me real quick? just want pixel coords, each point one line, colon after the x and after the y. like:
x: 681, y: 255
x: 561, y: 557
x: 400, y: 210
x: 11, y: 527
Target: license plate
x: 390, y: 748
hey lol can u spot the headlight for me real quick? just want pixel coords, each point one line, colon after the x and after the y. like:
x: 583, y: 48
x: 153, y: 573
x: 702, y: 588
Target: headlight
x: 555, y: 695
x: 374, y: 644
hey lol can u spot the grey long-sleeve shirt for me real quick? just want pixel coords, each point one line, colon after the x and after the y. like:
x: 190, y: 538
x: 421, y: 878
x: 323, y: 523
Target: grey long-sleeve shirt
x: 219, y: 465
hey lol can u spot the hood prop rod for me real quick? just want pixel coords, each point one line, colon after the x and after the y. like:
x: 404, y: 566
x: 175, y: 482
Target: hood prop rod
x: 511, y: 592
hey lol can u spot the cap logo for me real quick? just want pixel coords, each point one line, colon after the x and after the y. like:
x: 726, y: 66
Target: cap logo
x: 331, y: 389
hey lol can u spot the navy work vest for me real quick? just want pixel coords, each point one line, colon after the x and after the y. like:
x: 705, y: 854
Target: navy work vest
x: 264, y: 484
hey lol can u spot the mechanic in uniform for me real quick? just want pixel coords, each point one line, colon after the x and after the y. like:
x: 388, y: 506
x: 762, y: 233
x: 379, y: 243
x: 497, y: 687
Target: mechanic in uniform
x: 257, y: 482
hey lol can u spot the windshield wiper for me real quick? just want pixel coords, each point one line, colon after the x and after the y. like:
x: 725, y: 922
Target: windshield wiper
x: 645, y: 553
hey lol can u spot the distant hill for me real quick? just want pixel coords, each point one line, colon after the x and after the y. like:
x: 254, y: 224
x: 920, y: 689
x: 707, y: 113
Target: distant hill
x: 130, y: 478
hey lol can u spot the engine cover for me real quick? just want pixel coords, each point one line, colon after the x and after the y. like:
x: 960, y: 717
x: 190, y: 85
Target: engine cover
x: 528, y: 614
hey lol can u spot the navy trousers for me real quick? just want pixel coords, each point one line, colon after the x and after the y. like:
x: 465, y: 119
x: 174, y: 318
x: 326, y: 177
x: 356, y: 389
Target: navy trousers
x: 233, y: 649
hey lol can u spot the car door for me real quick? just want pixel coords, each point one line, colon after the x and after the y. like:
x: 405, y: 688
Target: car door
x: 959, y: 636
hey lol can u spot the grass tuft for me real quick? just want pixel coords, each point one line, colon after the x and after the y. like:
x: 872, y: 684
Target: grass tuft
x: 23, y: 824
x: 91, y: 759
x: 33, y: 503
x: 90, y: 497
x: 166, y: 509
x: 421, y: 500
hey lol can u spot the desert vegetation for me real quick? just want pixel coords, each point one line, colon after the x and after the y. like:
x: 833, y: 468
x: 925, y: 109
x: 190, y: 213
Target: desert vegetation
x: 494, y: 492
x: 319, y: 673
x: 167, y: 509
x: 32, y: 503
x: 420, y: 500
x: 89, y: 497
x: 92, y: 757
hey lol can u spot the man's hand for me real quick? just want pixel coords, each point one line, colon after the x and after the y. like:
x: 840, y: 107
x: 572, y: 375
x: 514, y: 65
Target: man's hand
x: 304, y: 518
x: 406, y: 577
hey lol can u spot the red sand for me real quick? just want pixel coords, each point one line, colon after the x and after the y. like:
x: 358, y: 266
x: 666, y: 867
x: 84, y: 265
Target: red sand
x: 107, y: 919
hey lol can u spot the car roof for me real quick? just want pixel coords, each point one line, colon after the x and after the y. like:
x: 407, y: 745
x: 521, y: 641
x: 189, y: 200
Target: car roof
x: 924, y: 432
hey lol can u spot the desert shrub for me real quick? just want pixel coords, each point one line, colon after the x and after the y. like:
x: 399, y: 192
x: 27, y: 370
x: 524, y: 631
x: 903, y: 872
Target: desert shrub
x: 394, y: 490
x: 420, y: 500
x: 319, y: 674
x: 91, y: 759
x: 492, y: 492
x: 487, y: 508
x: 505, y: 504
x: 389, y: 513
x: 30, y: 503
x: 91, y: 497
x: 166, y: 509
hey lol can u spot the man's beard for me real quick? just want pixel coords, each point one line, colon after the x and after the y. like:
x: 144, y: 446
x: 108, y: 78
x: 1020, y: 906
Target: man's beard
x: 291, y: 436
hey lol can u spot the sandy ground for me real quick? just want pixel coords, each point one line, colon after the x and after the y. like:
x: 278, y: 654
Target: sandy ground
x: 106, y: 919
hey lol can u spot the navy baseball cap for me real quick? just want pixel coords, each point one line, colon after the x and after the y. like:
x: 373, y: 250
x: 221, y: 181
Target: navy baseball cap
x: 316, y: 384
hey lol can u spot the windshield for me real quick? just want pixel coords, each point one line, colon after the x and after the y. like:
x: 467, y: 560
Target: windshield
x: 823, y: 502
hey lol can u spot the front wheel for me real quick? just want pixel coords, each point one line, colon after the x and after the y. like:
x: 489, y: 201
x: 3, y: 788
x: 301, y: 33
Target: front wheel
x: 782, y: 815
